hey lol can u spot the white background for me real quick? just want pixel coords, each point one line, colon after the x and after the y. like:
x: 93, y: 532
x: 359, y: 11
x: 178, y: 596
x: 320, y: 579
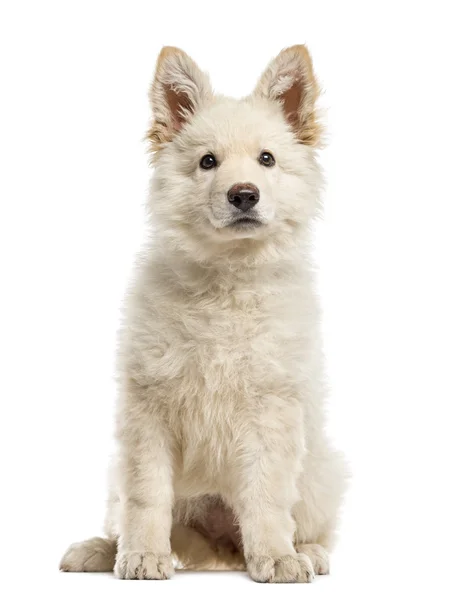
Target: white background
x: 74, y: 172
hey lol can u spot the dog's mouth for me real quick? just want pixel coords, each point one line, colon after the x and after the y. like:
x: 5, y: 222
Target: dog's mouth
x: 245, y: 223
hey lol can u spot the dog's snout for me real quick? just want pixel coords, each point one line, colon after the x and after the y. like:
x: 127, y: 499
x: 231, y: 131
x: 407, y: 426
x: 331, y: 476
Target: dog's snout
x: 243, y: 196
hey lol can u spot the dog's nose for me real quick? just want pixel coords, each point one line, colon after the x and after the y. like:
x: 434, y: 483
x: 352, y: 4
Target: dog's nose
x: 243, y: 196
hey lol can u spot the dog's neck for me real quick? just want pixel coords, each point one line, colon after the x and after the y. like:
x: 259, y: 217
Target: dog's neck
x: 242, y: 266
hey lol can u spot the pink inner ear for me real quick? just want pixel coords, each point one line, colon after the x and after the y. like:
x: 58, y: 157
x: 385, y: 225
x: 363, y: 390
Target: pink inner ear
x: 292, y: 99
x: 179, y: 104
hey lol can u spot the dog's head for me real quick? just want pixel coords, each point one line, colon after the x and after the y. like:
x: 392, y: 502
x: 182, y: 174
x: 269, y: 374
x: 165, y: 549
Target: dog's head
x: 234, y: 174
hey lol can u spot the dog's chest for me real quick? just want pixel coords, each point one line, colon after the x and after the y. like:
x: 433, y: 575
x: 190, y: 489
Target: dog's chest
x: 233, y: 343
x: 218, y: 363
x: 239, y: 354
x: 218, y: 351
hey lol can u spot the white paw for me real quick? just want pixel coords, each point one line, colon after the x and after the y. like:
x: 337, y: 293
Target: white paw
x: 317, y: 555
x: 283, y: 569
x: 94, y: 555
x: 143, y: 565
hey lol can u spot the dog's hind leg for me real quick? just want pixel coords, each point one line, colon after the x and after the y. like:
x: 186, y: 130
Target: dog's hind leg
x: 96, y: 555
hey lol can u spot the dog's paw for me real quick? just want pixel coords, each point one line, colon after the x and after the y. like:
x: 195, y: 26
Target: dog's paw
x: 317, y: 555
x: 95, y: 555
x: 144, y: 565
x: 283, y: 569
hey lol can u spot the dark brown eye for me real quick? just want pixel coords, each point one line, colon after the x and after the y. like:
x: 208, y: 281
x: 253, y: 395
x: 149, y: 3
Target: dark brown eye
x: 208, y: 162
x: 266, y: 159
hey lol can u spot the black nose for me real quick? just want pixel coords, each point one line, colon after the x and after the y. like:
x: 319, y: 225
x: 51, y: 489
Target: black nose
x: 243, y: 196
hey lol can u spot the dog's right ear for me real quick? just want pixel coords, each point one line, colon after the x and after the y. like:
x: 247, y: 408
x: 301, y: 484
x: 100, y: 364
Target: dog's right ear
x: 179, y: 89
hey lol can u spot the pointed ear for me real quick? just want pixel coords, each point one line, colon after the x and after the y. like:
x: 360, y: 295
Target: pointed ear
x: 289, y: 80
x: 179, y: 89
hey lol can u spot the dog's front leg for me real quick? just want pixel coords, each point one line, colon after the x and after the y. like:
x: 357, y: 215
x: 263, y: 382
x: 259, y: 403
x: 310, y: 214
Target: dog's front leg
x: 146, y: 489
x: 265, y: 490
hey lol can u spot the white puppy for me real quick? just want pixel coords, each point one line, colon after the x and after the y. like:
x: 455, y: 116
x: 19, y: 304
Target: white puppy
x: 223, y: 460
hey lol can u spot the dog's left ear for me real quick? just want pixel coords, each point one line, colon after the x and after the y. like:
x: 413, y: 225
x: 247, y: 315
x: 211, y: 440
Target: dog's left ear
x: 179, y: 89
x: 290, y: 81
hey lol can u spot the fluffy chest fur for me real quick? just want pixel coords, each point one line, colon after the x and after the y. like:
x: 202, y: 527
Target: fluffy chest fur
x: 225, y: 354
x: 222, y: 334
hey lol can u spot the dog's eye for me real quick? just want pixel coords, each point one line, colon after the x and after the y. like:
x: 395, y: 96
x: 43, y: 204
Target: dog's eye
x: 208, y: 162
x: 266, y: 159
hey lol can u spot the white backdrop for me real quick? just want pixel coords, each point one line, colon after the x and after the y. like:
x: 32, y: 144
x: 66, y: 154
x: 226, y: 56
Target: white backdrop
x: 73, y: 179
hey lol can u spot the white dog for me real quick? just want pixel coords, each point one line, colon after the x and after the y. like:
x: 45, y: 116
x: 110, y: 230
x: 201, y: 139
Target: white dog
x: 223, y: 460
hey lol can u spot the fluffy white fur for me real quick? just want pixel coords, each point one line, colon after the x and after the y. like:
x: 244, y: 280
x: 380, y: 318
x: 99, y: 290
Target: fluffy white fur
x: 223, y: 460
